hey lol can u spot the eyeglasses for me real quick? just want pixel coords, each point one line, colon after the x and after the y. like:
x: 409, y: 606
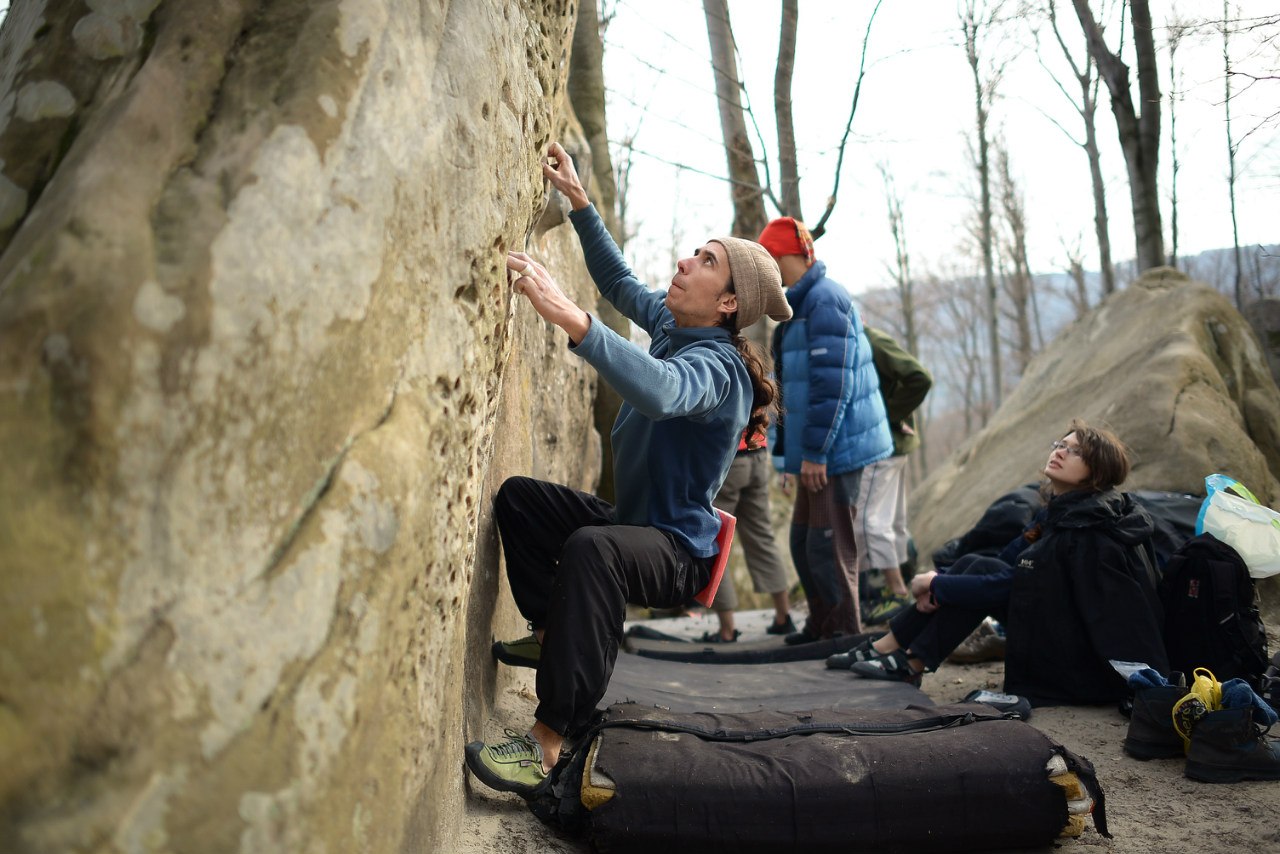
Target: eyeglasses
x: 1073, y: 450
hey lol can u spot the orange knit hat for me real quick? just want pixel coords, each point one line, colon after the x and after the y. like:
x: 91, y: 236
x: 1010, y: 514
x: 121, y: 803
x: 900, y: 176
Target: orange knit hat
x: 787, y: 236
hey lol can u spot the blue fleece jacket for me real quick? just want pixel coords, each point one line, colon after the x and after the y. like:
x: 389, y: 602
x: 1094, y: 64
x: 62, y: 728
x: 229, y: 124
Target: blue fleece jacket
x: 834, y: 413
x: 686, y: 401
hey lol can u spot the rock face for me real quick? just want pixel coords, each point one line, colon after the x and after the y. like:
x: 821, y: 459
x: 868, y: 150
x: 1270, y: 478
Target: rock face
x: 260, y: 372
x: 1170, y: 366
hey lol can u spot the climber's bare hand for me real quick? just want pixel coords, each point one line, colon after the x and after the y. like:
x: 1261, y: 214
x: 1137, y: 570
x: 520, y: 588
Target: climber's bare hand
x: 558, y: 168
x: 532, y: 281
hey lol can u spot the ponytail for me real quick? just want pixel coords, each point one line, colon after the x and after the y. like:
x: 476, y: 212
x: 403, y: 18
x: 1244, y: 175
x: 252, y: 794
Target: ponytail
x: 764, y: 390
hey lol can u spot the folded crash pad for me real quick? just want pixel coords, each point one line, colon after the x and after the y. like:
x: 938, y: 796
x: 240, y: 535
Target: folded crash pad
x: 954, y: 778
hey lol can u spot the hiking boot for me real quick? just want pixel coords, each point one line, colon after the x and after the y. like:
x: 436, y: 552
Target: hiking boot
x: 715, y: 637
x: 514, y: 765
x: 526, y: 652
x: 1227, y: 747
x: 983, y: 644
x: 886, y: 609
x: 844, y: 660
x: 784, y: 629
x: 890, y: 667
x: 1151, y: 733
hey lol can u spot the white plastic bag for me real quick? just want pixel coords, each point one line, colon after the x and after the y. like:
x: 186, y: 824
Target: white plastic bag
x: 1232, y: 514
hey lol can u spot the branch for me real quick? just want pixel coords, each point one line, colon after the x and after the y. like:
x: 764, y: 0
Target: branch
x: 818, y: 230
x: 687, y: 168
x: 1058, y: 124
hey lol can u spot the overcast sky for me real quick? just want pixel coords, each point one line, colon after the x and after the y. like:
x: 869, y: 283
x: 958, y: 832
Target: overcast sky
x: 916, y: 115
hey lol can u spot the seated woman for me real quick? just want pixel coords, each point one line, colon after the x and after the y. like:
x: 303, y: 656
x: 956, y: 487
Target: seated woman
x: 1075, y: 591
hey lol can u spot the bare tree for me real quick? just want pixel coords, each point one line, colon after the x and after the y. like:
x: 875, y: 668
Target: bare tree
x: 974, y: 24
x: 1231, y: 151
x: 903, y: 285
x: 1266, y: 30
x: 1079, y: 296
x: 622, y: 185
x: 1017, y: 279
x: 901, y: 270
x: 586, y: 94
x: 1139, y: 133
x: 788, y: 167
x: 1087, y: 107
x: 821, y: 227
x: 748, y: 200
x: 1174, y: 33
x: 747, y: 190
x: 962, y: 308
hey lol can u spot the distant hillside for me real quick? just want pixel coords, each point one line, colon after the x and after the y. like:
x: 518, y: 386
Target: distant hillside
x: 951, y: 323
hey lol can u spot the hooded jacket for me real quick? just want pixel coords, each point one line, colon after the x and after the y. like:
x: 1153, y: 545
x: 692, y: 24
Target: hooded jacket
x: 1084, y: 594
x: 833, y: 411
x: 685, y: 401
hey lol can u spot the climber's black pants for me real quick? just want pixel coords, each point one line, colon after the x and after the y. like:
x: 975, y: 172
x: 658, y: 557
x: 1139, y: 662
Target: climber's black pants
x: 572, y: 573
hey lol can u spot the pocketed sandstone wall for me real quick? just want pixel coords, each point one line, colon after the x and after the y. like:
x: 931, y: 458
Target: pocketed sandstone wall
x: 259, y: 373
x: 1170, y: 366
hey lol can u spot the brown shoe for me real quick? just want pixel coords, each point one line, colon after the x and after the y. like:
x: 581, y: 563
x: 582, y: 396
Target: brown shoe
x: 984, y: 644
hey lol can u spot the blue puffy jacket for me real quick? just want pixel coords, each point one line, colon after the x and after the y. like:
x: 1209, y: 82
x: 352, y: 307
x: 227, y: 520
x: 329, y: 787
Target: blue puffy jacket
x: 834, y: 413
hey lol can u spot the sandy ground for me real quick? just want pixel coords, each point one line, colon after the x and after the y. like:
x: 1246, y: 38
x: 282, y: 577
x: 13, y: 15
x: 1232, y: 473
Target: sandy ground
x: 1151, y: 806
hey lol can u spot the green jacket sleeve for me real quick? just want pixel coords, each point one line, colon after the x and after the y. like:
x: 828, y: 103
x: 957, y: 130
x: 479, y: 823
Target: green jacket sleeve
x: 904, y: 384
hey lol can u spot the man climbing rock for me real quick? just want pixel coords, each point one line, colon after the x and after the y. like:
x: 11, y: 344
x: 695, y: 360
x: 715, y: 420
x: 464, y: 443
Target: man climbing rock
x: 574, y: 561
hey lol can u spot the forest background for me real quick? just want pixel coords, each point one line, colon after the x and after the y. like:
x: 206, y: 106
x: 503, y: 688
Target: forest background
x: 886, y: 100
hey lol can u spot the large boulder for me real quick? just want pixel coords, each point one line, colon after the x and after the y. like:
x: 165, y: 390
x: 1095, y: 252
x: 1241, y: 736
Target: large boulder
x: 260, y: 371
x: 1169, y: 365
x: 1264, y: 317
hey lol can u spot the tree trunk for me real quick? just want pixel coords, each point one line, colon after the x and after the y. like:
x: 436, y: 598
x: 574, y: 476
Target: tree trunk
x: 1231, y: 153
x: 1088, y: 110
x: 1176, y: 31
x: 586, y: 94
x: 1080, y: 301
x: 790, y: 173
x: 1101, y: 224
x: 1139, y: 134
x: 748, y: 199
x: 982, y: 100
x: 1018, y: 285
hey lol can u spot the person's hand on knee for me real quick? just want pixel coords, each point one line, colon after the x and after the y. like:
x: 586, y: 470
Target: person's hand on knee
x: 922, y: 592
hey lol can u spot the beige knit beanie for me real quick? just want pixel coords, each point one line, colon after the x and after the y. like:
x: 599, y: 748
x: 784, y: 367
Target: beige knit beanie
x: 756, y: 281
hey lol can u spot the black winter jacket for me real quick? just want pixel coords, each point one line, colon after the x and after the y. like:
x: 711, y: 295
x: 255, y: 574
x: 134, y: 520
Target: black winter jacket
x: 1082, y: 595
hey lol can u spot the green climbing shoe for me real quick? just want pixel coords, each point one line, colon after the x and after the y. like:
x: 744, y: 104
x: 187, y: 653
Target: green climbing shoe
x: 514, y: 765
x: 525, y: 652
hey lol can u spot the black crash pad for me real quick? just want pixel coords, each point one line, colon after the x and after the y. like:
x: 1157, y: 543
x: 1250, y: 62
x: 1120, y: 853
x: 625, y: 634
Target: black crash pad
x: 790, y: 686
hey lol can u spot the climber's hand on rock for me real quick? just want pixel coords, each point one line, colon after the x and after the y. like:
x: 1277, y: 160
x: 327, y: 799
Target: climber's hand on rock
x: 558, y: 169
x: 533, y: 281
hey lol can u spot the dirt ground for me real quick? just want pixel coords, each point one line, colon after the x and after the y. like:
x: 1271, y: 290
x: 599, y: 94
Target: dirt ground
x: 1151, y: 806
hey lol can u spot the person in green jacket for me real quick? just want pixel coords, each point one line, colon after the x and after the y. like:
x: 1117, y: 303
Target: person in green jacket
x: 881, y: 532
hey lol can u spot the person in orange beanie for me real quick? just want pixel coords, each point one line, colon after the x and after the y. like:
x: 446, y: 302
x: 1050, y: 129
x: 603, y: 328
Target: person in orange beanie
x: 833, y: 425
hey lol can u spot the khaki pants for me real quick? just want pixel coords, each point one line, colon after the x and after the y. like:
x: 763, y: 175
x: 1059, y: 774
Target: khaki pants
x: 745, y: 494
